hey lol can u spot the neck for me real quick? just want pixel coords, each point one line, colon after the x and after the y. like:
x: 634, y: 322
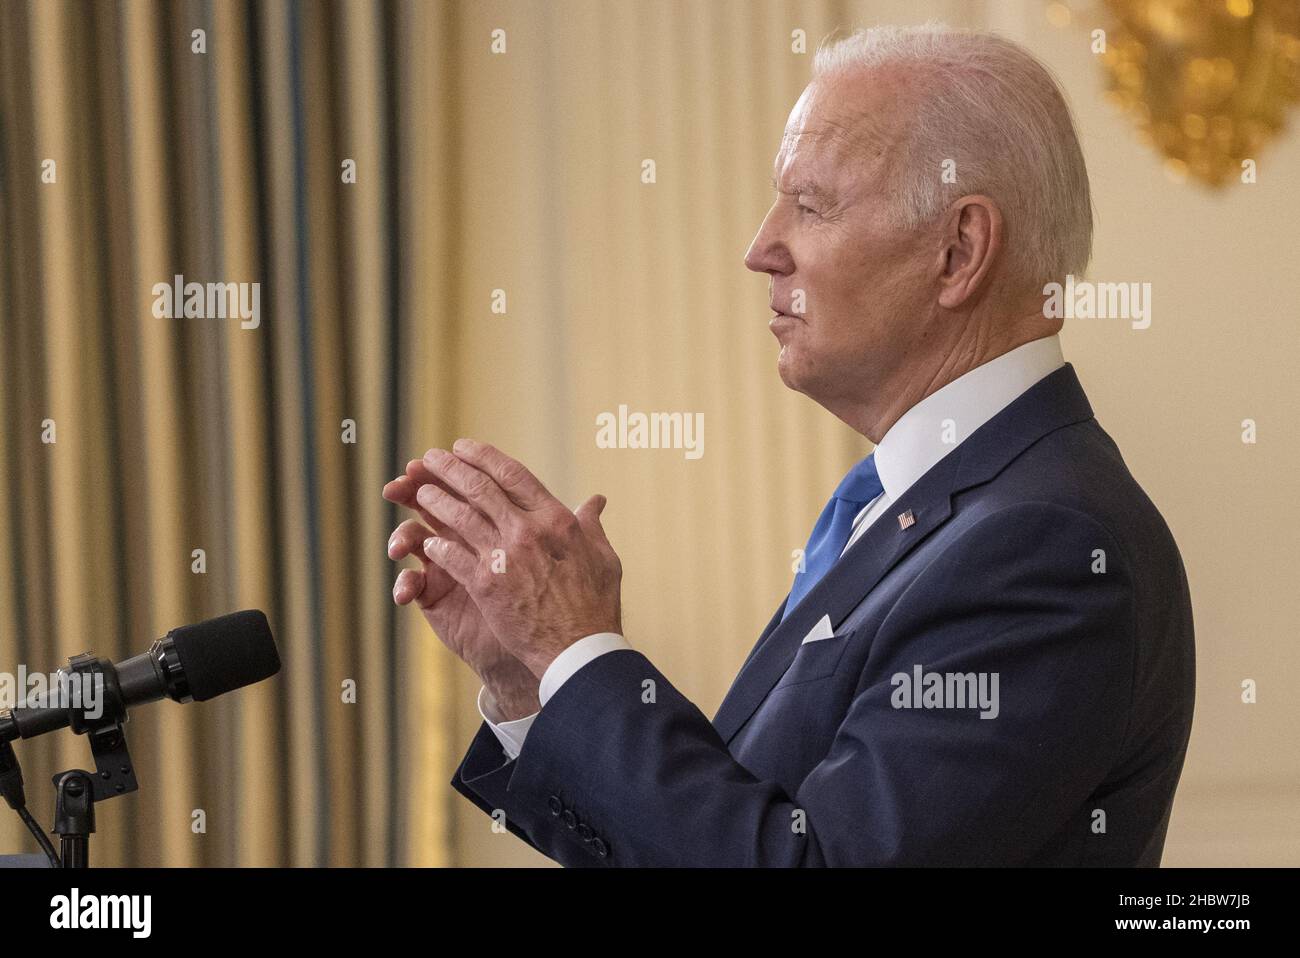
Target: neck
x: 875, y: 414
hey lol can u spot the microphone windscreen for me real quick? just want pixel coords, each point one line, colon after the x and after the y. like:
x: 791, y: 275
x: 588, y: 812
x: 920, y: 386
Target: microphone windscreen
x: 226, y: 653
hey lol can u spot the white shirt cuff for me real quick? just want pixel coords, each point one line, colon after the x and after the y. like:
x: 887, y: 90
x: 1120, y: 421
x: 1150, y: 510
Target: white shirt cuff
x: 511, y: 734
x: 564, y: 665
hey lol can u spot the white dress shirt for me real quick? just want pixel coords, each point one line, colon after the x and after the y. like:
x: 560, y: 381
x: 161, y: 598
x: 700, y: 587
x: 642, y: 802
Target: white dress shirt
x: 922, y: 436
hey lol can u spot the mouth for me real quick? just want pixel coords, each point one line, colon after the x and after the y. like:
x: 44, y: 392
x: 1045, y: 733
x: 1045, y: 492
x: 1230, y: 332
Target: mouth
x: 781, y: 322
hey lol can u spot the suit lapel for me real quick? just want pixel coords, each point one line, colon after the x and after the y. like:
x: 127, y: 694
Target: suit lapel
x: 855, y: 574
x: 1055, y: 401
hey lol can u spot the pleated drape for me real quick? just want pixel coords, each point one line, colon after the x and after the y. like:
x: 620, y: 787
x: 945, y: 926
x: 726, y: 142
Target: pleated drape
x: 482, y: 177
x: 265, y: 448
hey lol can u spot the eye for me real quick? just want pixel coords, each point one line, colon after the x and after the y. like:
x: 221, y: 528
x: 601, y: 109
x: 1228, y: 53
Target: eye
x: 803, y: 207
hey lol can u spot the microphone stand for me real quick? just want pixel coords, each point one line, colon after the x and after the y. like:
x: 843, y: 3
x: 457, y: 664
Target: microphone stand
x: 77, y: 790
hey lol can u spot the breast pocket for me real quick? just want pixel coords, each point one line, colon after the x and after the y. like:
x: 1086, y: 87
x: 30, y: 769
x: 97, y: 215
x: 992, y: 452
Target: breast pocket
x: 816, y: 660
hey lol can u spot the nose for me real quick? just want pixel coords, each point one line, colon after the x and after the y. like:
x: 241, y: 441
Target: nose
x: 768, y: 253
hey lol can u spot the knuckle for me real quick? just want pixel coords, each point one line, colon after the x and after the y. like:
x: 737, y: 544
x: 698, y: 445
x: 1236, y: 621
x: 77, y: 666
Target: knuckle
x: 512, y: 473
x: 526, y: 535
x: 476, y: 486
x: 483, y: 581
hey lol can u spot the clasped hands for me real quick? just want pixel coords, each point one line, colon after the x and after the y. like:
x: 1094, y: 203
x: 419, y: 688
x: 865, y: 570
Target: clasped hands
x: 509, y: 577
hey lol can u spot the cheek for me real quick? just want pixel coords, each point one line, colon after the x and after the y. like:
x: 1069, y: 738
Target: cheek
x: 849, y: 275
x: 827, y: 285
x: 881, y: 282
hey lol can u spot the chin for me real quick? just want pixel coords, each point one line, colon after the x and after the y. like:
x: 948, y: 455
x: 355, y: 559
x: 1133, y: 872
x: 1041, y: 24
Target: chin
x: 788, y: 371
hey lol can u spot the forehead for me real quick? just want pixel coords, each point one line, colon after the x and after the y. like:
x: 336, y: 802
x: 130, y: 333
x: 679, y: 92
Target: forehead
x: 837, y: 128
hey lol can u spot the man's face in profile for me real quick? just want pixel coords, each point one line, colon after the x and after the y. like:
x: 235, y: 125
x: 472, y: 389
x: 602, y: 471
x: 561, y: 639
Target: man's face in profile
x: 829, y: 233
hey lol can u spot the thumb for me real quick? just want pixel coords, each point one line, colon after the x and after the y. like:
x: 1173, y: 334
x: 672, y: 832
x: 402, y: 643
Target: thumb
x: 589, y: 515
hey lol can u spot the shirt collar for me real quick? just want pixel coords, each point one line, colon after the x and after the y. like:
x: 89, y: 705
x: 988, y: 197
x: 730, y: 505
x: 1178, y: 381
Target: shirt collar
x: 921, y: 437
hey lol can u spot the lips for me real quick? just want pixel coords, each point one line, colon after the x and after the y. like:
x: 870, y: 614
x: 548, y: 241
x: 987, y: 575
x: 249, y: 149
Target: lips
x: 780, y: 322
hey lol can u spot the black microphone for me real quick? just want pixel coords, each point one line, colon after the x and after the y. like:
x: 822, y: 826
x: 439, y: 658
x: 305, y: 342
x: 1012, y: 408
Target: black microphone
x: 190, y: 663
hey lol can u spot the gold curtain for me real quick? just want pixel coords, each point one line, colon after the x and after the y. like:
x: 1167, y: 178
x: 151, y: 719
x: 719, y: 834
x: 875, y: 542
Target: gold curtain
x: 173, y: 435
x: 477, y: 171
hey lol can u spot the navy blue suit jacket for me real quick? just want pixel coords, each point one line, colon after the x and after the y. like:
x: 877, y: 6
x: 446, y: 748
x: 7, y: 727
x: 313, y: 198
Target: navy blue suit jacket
x: 1034, y: 555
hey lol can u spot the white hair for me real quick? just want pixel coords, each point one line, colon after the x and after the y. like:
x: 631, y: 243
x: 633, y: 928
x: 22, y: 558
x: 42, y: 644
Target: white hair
x: 998, y: 114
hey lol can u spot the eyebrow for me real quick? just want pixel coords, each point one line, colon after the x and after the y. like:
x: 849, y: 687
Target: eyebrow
x: 804, y: 187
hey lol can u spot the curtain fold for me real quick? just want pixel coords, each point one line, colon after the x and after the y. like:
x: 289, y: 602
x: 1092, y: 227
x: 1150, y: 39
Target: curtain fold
x: 199, y: 466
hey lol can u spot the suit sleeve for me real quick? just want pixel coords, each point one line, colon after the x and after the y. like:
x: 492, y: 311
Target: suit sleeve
x: 484, y: 777
x: 1019, y: 594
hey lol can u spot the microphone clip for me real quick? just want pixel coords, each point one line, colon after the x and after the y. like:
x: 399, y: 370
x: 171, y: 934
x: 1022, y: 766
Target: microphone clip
x: 100, y: 718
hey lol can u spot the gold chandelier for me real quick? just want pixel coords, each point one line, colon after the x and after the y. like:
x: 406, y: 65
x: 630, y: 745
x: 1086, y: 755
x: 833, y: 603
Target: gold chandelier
x: 1208, y: 82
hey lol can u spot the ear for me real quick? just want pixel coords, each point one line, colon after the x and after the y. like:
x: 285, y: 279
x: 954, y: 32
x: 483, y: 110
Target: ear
x: 972, y: 241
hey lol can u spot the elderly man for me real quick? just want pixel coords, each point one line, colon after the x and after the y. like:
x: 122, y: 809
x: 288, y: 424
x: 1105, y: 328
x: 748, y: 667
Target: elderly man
x: 986, y: 657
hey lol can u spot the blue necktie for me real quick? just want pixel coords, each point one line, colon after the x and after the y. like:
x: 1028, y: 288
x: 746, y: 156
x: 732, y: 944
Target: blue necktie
x: 831, y: 533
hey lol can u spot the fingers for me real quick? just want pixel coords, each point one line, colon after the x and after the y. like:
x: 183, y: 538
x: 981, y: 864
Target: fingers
x: 409, y: 585
x: 461, y: 517
x: 513, y: 477
x: 408, y: 539
x: 453, y: 558
x: 446, y: 517
x: 393, y: 490
x: 417, y: 470
x: 403, y: 491
x: 473, y: 485
x: 426, y: 584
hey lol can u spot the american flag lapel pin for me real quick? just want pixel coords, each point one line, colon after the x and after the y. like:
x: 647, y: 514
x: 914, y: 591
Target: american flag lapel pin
x: 906, y: 519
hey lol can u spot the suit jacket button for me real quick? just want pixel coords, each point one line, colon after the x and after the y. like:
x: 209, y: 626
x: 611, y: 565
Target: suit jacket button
x: 569, y: 818
x: 557, y: 806
x: 600, y: 847
x: 585, y: 832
